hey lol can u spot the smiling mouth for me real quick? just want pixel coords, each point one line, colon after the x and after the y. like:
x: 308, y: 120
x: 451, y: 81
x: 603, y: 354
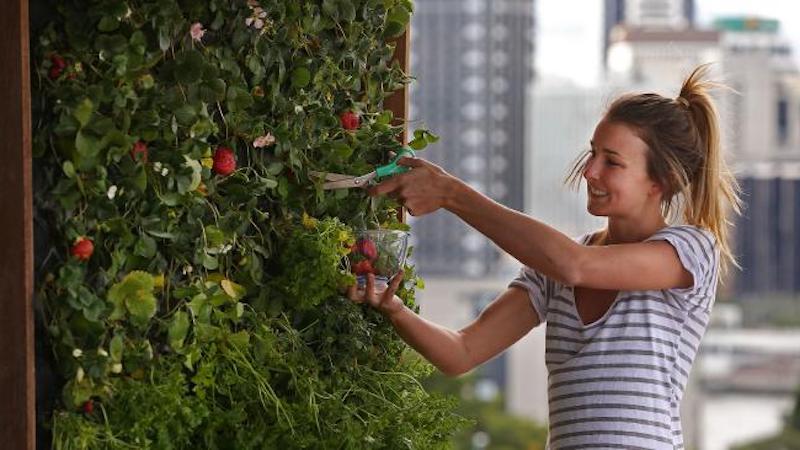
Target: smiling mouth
x: 597, y: 193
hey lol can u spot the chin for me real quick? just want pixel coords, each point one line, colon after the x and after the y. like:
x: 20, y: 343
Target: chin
x: 598, y: 212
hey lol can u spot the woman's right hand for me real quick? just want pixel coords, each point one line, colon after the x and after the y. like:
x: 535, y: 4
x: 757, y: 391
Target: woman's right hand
x: 384, y: 301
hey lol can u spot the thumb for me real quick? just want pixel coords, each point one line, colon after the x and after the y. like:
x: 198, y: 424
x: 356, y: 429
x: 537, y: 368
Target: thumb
x: 409, y: 161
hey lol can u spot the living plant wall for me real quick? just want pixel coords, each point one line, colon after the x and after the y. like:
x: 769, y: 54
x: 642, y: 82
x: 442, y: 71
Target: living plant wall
x: 192, y: 291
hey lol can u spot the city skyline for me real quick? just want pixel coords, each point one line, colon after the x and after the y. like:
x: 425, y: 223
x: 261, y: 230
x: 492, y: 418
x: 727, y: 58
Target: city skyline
x: 559, y: 32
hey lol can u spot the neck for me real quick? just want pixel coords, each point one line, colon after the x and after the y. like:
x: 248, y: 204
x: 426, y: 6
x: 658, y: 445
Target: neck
x: 625, y: 232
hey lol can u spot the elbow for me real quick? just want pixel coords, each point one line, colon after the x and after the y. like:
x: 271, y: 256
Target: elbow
x: 572, y: 271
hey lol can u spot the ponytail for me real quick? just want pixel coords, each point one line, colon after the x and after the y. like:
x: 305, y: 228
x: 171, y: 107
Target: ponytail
x: 712, y: 189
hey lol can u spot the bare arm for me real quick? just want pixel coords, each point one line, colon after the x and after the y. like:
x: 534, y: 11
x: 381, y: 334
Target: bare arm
x: 634, y: 266
x: 507, y: 319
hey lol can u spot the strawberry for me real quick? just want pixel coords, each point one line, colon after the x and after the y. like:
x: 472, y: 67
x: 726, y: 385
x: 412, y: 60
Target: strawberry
x: 367, y: 248
x: 88, y: 407
x: 363, y: 267
x: 139, y: 148
x: 224, y: 161
x: 82, y: 249
x: 350, y: 120
x: 57, y: 66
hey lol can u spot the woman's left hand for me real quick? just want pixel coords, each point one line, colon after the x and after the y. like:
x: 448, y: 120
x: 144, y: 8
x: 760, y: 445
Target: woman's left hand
x: 422, y: 190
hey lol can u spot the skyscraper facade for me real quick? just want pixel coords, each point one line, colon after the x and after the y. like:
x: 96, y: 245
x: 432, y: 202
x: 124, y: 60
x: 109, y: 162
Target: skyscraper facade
x: 473, y: 64
x: 671, y: 14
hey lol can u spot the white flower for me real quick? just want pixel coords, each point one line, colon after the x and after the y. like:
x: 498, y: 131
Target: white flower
x: 197, y: 31
x: 164, y: 172
x: 298, y: 109
x: 157, y: 166
x: 77, y: 353
x: 116, y: 368
x: 112, y: 192
x: 264, y: 141
x: 187, y: 270
x: 79, y: 375
x: 102, y: 352
x: 257, y: 19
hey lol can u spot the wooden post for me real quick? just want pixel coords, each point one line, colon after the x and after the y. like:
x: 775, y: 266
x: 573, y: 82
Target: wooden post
x: 398, y: 102
x: 17, y: 384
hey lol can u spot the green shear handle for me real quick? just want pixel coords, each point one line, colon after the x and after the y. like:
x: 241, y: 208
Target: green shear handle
x: 393, y: 168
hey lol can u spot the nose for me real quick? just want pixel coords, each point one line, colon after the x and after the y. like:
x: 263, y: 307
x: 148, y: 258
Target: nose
x: 590, y: 171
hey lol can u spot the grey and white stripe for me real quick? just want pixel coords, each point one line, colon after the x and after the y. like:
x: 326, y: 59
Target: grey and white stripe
x: 618, y: 382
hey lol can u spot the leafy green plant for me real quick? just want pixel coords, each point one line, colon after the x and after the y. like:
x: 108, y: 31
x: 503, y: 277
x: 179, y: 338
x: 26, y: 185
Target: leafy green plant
x: 192, y: 296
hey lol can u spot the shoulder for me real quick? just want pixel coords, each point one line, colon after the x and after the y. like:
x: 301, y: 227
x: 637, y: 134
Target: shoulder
x: 690, y: 237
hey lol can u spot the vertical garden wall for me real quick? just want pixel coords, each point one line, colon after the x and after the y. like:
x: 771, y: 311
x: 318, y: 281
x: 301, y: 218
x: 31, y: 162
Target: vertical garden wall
x: 191, y: 288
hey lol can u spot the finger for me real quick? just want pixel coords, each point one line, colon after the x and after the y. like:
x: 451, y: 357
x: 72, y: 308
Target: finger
x: 387, y: 186
x: 409, y: 161
x: 369, y: 293
x: 352, y: 294
x: 395, y: 283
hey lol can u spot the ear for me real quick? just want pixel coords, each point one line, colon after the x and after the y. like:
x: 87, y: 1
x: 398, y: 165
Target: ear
x: 655, y: 189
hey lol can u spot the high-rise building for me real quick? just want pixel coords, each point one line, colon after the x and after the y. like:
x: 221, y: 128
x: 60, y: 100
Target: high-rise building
x: 649, y: 14
x: 765, y: 127
x: 473, y: 63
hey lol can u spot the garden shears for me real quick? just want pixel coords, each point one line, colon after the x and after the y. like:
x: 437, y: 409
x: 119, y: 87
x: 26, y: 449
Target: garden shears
x: 341, y: 181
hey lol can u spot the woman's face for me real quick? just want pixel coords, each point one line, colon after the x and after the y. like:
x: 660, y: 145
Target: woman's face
x: 616, y: 174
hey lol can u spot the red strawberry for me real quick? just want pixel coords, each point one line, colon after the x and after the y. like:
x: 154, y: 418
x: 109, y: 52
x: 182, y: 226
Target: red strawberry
x: 82, y: 249
x: 88, y: 407
x: 224, y: 161
x: 363, y: 267
x: 350, y: 120
x: 57, y: 67
x: 367, y: 248
x: 139, y: 148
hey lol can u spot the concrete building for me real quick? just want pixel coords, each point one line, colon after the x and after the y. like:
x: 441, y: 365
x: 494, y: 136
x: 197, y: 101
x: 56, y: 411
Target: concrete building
x: 473, y: 63
x: 658, y: 14
x: 563, y: 119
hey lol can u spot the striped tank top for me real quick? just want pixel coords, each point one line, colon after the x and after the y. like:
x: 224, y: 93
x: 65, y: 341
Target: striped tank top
x: 618, y: 382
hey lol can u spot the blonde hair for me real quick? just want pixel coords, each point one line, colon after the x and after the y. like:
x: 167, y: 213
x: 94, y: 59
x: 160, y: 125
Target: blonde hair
x: 685, y: 157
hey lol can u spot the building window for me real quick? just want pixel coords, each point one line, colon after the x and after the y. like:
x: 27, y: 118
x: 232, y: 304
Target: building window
x: 783, y: 121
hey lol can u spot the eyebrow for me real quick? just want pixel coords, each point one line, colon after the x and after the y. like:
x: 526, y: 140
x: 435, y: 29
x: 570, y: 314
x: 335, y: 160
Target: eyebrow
x: 608, y: 150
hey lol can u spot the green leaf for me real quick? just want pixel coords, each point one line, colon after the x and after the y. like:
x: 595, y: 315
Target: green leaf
x: 145, y: 247
x: 234, y: 291
x: 115, y: 348
x: 185, y: 114
x: 210, y: 262
x: 84, y: 111
x: 107, y: 24
x: 214, y: 236
x: 178, y: 328
x: 301, y: 76
x: 141, y: 308
x: 274, y: 168
x: 240, y: 339
x: 69, y: 169
x: 342, y: 150
x: 135, y: 293
x: 189, y: 66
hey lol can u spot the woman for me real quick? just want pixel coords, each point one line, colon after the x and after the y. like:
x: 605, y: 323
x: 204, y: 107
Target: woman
x: 625, y: 307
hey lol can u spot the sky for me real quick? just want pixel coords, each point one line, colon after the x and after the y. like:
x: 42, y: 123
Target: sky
x: 561, y: 31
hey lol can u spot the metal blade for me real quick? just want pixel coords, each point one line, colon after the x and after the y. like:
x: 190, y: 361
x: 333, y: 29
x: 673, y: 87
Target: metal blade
x: 352, y: 182
x: 330, y: 176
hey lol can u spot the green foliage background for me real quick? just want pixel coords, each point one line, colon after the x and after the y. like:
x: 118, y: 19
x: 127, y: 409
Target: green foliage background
x: 210, y: 314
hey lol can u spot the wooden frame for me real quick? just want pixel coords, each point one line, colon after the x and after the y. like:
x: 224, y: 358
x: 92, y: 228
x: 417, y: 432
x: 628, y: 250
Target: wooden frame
x: 398, y: 102
x: 17, y: 381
